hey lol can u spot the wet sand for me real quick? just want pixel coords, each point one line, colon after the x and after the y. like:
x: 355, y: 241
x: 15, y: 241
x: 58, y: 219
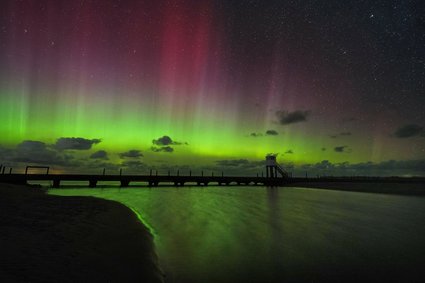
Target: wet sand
x: 47, y: 238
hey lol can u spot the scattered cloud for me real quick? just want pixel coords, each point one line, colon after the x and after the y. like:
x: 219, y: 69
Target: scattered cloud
x: 271, y: 133
x: 31, y: 146
x: 163, y: 144
x: 101, y: 154
x: 342, y: 134
x: 134, y: 165
x: 341, y: 148
x: 384, y: 168
x: 165, y: 140
x: 238, y: 166
x: 75, y: 143
x: 286, y: 118
x: 133, y: 153
x: 255, y: 135
x: 167, y: 148
x: 37, y: 152
x: 408, y: 131
x: 232, y: 162
x: 94, y: 165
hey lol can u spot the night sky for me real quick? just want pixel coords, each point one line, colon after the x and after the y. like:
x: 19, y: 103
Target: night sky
x: 333, y: 87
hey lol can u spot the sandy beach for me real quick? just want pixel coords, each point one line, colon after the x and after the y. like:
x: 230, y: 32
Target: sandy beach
x: 48, y: 238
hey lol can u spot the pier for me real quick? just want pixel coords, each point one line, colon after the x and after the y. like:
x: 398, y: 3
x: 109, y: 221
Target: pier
x: 272, y: 178
x: 150, y: 180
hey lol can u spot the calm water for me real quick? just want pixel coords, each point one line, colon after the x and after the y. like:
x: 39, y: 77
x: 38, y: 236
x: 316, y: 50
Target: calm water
x: 258, y: 234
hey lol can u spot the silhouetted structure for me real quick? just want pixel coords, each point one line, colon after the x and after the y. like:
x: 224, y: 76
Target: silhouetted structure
x: 271, y: 179
x: 273, y: 168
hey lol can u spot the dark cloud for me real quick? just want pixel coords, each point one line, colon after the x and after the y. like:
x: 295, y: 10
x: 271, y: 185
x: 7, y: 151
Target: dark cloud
x: 289, y: 151
x: 101, y: 154
x: 37, y: 152
x: 75, y: 143
x: 256, y: 135
x: 134, y: 165
x: 166, y: 140
x: 232, y: 162
x: 95, y: 165
x: 384, y: 168
x: 133, y: 153
x: 286, y: 117
x: 271, y: 133
x: 238, y: 167
x: 29, y: 145
x: 341, y: 148
x: 410, y: 130
x: 168, y: 149
x: 342, y: 134
x: 325, y: 167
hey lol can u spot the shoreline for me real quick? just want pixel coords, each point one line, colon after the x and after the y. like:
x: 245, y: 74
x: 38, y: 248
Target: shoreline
x: 48, y: 238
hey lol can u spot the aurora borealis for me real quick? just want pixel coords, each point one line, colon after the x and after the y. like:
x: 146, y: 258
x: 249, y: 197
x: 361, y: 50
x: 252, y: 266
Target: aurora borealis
x: 334, y: 87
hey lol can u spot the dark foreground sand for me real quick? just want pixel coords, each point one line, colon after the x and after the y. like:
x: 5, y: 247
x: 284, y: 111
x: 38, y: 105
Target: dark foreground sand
x: 46, y: 238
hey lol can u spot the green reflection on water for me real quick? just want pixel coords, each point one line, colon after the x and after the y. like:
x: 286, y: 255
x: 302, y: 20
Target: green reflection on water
x: 260, y: 234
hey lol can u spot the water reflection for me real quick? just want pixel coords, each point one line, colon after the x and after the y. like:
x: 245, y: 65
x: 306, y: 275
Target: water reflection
x: 245, y: 234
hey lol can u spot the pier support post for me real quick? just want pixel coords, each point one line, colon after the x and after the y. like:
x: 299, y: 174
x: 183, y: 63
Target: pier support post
x: 153, y: 184
x: 56, y: 183
x: 125, y: 183
x: 92, y: 183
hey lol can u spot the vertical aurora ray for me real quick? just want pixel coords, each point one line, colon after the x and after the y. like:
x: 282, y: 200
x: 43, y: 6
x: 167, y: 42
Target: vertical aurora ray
x: 206, y: 73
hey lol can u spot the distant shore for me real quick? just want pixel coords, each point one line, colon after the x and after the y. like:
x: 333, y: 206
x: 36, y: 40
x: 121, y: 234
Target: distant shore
x: 402, y: 188
x: 47, y: 238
